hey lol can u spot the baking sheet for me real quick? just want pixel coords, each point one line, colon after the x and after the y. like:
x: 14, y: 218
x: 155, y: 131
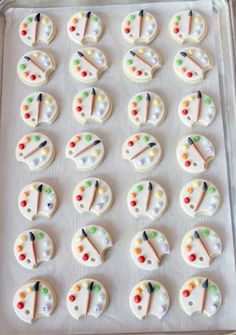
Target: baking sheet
x: 118, y: 273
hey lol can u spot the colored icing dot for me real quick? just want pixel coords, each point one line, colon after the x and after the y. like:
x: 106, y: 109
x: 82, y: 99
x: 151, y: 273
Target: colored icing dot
x: 79, y: 197
x: 145, y: 139
x: 184, y: 156
x: 207, y: 101
x: 185, y: 103
x: 85, y: 257
x: 35, y: 138
x: 80, y: 249
x: 156, y: 287
x: 78, y: 108
x: 153, y: 234
x: 139, y: 188
x: 22, y: 257
x: 83, y: 73
x: 21, y: 295
x: 189, y: 74
x: 213, y: 288
x: 88, y: 183
x: 192, y: 257
x: 186, y: 293
x: 23, y: 203
x: 33, y: 77
x: 191, y: 286
x: 19, y: 248
x: 205, y: 232
x: 44, y: 291
x: 129, y: 61
x: 130, y: 143
x: 179, y: 62
x: 133, y: 203
x: 187, y: 200
x: 131, y: 17
x: 77, y: 288
x: 212, y: 189
x: 178, y: 17
x: 188, y: 248
x: 29, y: 20
x: 27, y: 115
x: 71, y: 28
x: 138, y: 98
x: 97, y: 288
x: 176, y: 30
x: 134, y: 112
x: 88, y: 138
x: 190, y: 190
x: 159, y: 194
x: 47, y: 190
x: 196, y: 138
x: 23, y: 32
x: 187, y: 163
x: 137, y: 251
x: 92, y: 230
x: 184, y: 111
x: 141, y: 259
x: 127, y: 30
x: 29, y: 100
x: 85, y: 94
x: 20, y: 305
x: 137, y: 299
x: 139, y: 73
x: 71, y: 298
x: 95, y: 18
x: 190, y: 239
x: 40, y: 235
x: 76, y: 62
x: 22, y: 67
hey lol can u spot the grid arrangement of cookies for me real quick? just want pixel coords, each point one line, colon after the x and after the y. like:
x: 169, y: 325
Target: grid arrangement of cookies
x: 147, y: 198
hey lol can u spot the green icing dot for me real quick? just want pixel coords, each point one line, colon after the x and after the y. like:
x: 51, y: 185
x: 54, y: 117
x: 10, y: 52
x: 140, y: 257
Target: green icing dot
x: 153, y: 234
x: 207, y: 101
x: 212, y: 189
x: 205, y: 232
x: 178, y: 17
x: 196, y: 138
x: 40, y: 235
x: 129, y: 61
x: 29, y: 20
x: 213, y: 288
x: 138, y: 98
x: 29, y: 100
x: 76, y: 62
x: 145, y: 139
x: 139, y: 188
x: 22, y: 67
x: 88, y: 183
x: 96, y: 288
x: 35, y: 138
x: 92, y: 230
x: 131, y: 17
x: 179, y: 62
x: 88, y: 138
x: 95, y: 18
x: 47, y: 190
x: 44, y: 291
x: 156, y: 288
x: 85, y: 94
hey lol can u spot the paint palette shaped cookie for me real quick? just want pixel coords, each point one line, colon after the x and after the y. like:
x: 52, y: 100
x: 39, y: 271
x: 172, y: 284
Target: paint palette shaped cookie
x: 187, y: 26
x: 149, y: 297
x: 35, y: 299
x: 92, y: 195
x: 92, y: 105
x: 38, y: 108
x: 35, y: 67
x: 200, y: 197
x: 200, y: 246
x: 87, y: 297
x: 37, y: 200
x: 36, y: 150
x: 139, y: 27
x: 85, y: 27
x: 37, y: 29
x: 89, y: 245
x: 86, y: 150
x: 200, y: 294
x: 197, y: 109
x: 88, y: 64
x: 147, y: 249
x: 143, y: 151
x: 147, y: 198
x: 191, y: 64
x: 146, y: 108
x: 194, y: 153
x: 140, y: 64
x: 33, y: 247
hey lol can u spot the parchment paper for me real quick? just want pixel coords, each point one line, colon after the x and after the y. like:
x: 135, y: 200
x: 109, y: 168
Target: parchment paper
x: 118, y: 273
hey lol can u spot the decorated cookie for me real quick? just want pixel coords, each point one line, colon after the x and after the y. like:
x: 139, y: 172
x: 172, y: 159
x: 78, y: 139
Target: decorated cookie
x: 35, y: 299
x: 37, y: 28
x: 87, y: 297
x: 200, y: 294
x: 86, y: 150
x: 33, y: 247
x: 197, y: 109
x: 36, y: 150
x: 92, y: 195
x: 88, y: 64
x: 145, y: 108
x: 37, y: 200
x: 187, y: 26
x: 89, y: 245
x: 92, y: 105
x: 139, y: 27
x: 194, y: 153
x: 35, y: 67
x: 147, y: 198
x: 148, y: 247
x: 200, y: 246
x: 191, y: 64
x: 149, y: 297
x: 140, y: 64
x: 143, y: 151
x: 85, y: 27
x: 199, y: 197
x: 37, y: 108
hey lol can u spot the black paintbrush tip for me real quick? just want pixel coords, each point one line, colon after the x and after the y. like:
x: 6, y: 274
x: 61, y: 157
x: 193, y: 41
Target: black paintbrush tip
x: 41, y: 145
x: 199, y: 95
x: 148, y: 97
x: 84, y: 233
x: 140, y: 12
x: 90, y: 286
x: 204, y: 186
x: 183, y: 54
x: 205, y: 284
x: 93, y: 91
x: 31, y: 236
x: 37, y: 17
x: 150, y: 288
x: 40, y: 187
x: 144, y: 236
x: 190, y: 141
x: 151, y: 144
x: 27, y: 58
x: 36, y: 286
x: 132, y: 53
x: 80, y: 54
x: 149, y: 186
x: 190, y: 13
x: 40, y: 97
x: 196, y: 235
x: 96, y: 142
x: 88, y: 15
x: 96, y: 184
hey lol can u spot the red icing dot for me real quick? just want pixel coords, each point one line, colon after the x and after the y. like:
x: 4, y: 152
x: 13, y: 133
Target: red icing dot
x: 130, y: 143
x: 141, y: 259
x: 189, y: 74
x: 176, y: 30
x: 137, y: 299
x: 72, y: 28
x: 22, y: 257
x: 72, y: 298
x: 79, y: 197
x: 139, y: 73
x: 192, y: 257
x: 33, y: 77
x: 79, y: 108
x: 85, y: 257
x: 23, y: 32
x: 127, y: 30
x: 187, y: 200
x: 20, y: 305
x: 133, y: 203
x: 134, y: 112
x: 72, y: 144
x: 21, y: 146
x: 184, y: 111
x: 186, y: 293
x: 23, y: 203
x: 187, y: 163
x: 27, y: 115
x: 83, y: 73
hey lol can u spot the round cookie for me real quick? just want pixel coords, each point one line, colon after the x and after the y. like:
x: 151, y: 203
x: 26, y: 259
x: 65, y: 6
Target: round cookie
x: 87, y: 297
x: 143, y: 151
x: 140, y: 64
x: 89, y: 245
x: 194, y: 153
x: 38, y: 108
x: 35, y: 299
x: 147, y: 249
x: 35, y: 67
x: 33, y: 247
x: 200, y: 197
x: 149, y: 297
x: 36, y: 150
x: 187, y: 26
x: 92, y: 195
x: 191, y: 64
x: 88, y: 64
x: 91, y: 105
x: 200, y: 294
x: 200, y: 246
x: 147, y: 198
x: 146, y: 108
x: 197, y: 109
x: 139, y: 27
x: 37, y: 29
x: 85, y: 27
x: 36, y: 200
x: 86, y: 150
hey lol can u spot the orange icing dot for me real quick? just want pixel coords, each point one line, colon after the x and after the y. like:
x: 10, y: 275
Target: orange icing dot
x: 188, y: 248
x: 190, y: 286
x: 182, y: 69
x: 79, y: 100
x: 77, y: 68
x: 19, y: 248
x: 127, y: 23
x: 138, y: 290
x: 132, y: 68
x: 77, y: 288
x: 81, y: 189
x: 24, y: 25
x: 25, y: 108
x: 26, y: 139
x: 26, y: 74
x: 133, y: 195
x: 185, y: 103
x: 137, y: 251
x: 21, y: 295
x: 80, y: 249
x: 133, y: 104
x: 77, y: 138
x: 25, y: 194
x: 184, y: 156
x: 74, y: 20
x: 136, y: 138
x: 190, y: 190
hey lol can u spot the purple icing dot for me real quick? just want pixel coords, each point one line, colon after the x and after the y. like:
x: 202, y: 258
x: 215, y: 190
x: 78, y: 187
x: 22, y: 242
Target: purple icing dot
x: 47, y: 252
x: 105, y: 241
x: 47, y: 307
x: 98, y: 207
x: 95, y: 32
x: 217, y: 246
x: 162, y: 309
x: 35, y: 161
x: 99, y: 112
x: 164, y: 247
x: 97, y: 308
x: 142, y: 161
x: 212, y: 208
x: 82, y: 160
x: 50, y: 206
x: 155, y: 210
x: 214, y: 307
x: 209, y: 150
x: 48, y: 115
x: 101, y: 61
x: 47, y: 33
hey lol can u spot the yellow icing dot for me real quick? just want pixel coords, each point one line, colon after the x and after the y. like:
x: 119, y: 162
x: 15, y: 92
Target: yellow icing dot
x: 182, y: 69
x: 22, y: 239
x: 138, y: 241
x: 184, y: 156
x: 190, y: 190
x: 81, y: 14
x: 190, y: 286
x: 197, y: 19
x: 159, y: 194
x: 29, y: 289
x: 141, y: 50
x: 197, y: 282
x: 77, y: 138
x: 95, y: 153
x: 100, y: 97
x: 190, y: 239
x: 77, y: 288
x: 89, y: 52
x: 138, y: 290
x: 26, y: 139
x: 133, y: 195
x: 185, y: 147
x: 191, y: 98
x: 101, y: 190
x: 85, y: 283
x: 185, y: 103
x: 45, y: 20
x: 80, y: 249
x: 156, y: 102
x: 33, y: 187
x: 137, y: 251
x: 36, y: 54
x: 48, y: 101
x: 45, y: 151
x: 21, y: 295
x: 79, y: 239
x: 190, y: 51
x: 148, y: 18
x: 196, y: 184
x: 143, y: 287
x: 153, y: 152
x: 187, y: 247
